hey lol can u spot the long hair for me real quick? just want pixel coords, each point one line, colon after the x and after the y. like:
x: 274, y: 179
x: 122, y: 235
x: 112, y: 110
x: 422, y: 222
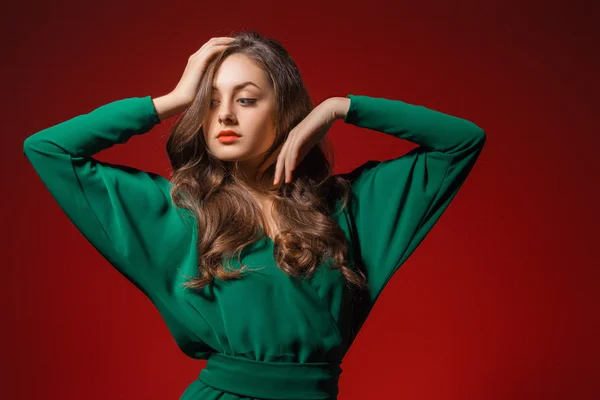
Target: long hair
x: 228, y: 219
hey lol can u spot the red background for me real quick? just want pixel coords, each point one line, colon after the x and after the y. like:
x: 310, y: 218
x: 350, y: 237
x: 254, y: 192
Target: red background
x: 500, y: 301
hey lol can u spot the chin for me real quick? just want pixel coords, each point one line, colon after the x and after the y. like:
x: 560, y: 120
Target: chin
x: 232, y: 155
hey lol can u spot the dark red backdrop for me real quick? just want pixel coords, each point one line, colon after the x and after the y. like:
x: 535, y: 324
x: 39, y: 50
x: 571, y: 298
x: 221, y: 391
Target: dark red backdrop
x: 500, y: 300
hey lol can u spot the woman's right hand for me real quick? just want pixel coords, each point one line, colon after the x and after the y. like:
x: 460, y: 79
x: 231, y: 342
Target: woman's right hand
x: 188, y: 85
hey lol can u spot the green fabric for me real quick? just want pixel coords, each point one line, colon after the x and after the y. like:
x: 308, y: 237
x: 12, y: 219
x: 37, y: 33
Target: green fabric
x: 265, y: 318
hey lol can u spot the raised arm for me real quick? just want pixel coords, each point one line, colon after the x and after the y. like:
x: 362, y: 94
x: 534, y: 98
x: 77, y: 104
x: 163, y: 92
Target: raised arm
x: 397, y: 202
x: 125, y: 213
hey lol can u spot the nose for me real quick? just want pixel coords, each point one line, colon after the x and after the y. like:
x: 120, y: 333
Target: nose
x: 225, y: 114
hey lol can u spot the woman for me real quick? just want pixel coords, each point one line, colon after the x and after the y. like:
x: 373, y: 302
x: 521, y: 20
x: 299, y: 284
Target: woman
x: 259, y: 260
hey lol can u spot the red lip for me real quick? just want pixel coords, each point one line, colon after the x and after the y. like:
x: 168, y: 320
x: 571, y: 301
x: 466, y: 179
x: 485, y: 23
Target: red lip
x: 228, y: 132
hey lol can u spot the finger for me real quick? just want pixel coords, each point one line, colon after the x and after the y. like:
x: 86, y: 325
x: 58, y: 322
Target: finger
x: 218, y: 41
x: 211, y: 51
x: 219, y: 45
x: 221, y: 39
x: 283, y: 155
x: 283, y: 162
x: 290, y: 158
x: 280, y: 169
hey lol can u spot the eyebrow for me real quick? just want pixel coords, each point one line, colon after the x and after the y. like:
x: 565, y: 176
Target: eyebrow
x: 239, y: 86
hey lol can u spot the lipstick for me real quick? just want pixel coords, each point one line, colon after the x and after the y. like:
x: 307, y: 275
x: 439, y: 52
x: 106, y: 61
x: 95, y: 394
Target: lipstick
x: 227, y: 138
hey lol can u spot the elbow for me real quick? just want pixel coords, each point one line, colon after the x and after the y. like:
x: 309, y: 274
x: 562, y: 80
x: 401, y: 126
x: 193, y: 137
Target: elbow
x: 480, y: 137
x: 35, y: 148
x: 476, y: 137
x: 472, y: 142
x: 33, y: 144
x: 28, y: 145
x: 476, y: 142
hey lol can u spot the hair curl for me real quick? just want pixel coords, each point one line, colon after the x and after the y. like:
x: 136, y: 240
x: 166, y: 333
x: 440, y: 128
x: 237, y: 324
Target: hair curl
x: 210, y: 189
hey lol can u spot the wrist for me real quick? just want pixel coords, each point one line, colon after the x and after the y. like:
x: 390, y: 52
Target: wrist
x: 169, y: 105
x: 340, y: 107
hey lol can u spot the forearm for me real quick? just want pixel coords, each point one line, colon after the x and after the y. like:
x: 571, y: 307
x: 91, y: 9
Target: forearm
x: 168, y: 105
x: 87, y: 134
x: 426, y: 127
x: 339, y: 107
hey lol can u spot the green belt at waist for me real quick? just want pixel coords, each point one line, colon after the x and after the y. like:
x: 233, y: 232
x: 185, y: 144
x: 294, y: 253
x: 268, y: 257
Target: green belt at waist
x: 271, y: 380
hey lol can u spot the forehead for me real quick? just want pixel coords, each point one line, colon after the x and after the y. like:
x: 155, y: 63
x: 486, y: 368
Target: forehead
x: 237, y: 69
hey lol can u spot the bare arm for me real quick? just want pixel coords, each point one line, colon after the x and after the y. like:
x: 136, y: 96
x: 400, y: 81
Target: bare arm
x: 168, y: 105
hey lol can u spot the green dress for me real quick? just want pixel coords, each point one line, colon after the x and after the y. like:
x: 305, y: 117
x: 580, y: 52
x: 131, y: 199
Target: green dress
x: 265, y: 336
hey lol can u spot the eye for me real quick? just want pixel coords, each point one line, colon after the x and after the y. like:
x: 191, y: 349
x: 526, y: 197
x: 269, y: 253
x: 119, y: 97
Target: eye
x: 249, y: 101
x: 244, y: 101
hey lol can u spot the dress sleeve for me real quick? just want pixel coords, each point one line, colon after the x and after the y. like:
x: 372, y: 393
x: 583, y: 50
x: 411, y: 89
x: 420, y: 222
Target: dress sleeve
x: 125, y: 213
x: 395, y: 203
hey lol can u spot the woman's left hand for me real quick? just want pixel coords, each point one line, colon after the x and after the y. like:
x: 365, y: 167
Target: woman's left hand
x: 306, y: 134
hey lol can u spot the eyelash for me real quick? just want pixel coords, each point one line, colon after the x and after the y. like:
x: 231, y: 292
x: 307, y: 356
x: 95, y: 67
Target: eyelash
x: 251, y: 102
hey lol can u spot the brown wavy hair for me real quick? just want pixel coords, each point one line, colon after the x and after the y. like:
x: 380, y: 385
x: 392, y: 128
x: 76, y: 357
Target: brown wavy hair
x: 228, y: 219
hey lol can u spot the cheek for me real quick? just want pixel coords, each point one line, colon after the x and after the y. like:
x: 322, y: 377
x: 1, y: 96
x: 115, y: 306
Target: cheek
x: 259, y: 125
x: 267, y: 132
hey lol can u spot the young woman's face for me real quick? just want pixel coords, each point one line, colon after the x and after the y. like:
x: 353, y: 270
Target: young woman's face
x: 247, y: 110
